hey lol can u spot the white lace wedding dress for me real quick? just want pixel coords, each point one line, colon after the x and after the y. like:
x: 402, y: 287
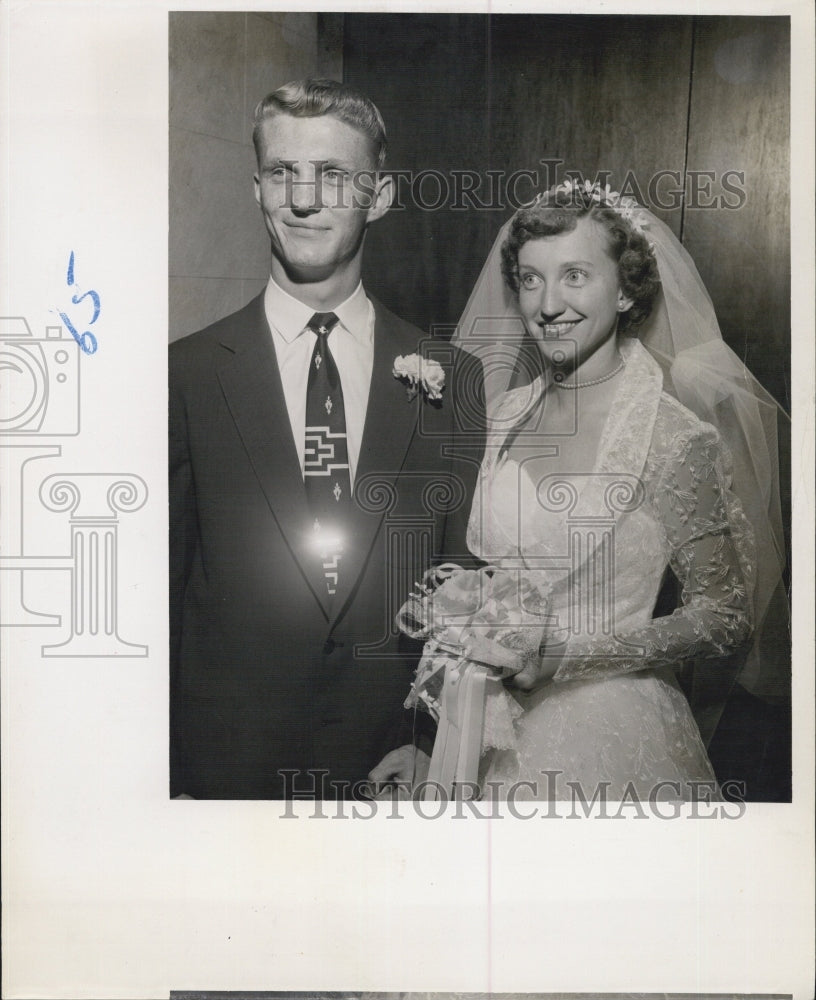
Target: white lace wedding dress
x: 658, y: 495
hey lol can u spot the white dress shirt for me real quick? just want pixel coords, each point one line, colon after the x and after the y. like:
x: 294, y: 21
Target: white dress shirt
x: 352, y: 346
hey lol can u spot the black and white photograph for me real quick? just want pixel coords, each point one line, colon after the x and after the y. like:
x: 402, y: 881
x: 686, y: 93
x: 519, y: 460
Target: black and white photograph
x: 614, y: 607
x: 407, y: 500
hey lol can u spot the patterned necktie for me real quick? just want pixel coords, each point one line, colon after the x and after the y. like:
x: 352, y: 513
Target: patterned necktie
x: 326, y: 467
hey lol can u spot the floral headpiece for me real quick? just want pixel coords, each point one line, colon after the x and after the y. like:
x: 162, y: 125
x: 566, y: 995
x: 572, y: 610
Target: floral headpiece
x: 627, y: 208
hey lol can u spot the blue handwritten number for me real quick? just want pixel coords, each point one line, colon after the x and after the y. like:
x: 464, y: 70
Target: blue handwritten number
x: 86, y: 340
x: 76, y: 299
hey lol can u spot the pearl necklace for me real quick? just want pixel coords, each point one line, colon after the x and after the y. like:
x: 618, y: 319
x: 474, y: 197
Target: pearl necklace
x: 594, y: 381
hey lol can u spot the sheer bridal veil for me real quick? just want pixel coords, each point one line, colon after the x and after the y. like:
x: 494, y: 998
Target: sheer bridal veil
x: 699, y: 369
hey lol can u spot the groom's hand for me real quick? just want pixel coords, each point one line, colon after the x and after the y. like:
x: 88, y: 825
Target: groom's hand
x: 398, y: 772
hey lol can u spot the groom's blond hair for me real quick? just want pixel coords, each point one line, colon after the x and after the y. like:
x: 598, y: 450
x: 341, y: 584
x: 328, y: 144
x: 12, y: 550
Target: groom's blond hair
x: 313, y: 98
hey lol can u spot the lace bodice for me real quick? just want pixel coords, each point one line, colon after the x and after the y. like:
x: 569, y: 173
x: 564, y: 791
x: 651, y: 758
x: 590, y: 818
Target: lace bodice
x: 658, y: 496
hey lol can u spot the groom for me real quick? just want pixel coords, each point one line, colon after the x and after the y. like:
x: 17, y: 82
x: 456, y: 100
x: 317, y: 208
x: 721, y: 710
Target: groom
x: 309, y: 487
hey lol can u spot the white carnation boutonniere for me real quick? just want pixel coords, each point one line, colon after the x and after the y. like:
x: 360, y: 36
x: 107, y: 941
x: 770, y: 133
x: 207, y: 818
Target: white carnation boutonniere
x: 417, y: 371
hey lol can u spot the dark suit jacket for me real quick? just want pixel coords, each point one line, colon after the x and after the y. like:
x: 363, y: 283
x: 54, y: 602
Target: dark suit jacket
x: 267, y: 675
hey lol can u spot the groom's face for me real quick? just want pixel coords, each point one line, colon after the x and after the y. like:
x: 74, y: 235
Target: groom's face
x: 318, y: 189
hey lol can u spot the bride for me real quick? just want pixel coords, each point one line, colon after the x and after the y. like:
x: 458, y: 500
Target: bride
x: 597, y: 479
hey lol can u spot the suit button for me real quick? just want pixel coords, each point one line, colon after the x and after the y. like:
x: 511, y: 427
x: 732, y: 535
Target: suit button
x: 328, y: 647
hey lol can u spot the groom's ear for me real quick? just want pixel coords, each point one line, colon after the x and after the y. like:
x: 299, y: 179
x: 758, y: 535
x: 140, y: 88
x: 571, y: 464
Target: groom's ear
x: 382, y: 196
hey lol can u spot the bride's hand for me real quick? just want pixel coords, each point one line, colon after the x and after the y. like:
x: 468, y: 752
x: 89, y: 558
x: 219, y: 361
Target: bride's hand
x: 519, y: 668
x: 536, y: 670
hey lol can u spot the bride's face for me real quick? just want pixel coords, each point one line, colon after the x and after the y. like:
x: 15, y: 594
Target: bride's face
x: 569, y: 291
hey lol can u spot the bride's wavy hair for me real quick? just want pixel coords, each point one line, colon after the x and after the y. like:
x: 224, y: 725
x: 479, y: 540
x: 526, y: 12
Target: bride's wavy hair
x: 558, y: 211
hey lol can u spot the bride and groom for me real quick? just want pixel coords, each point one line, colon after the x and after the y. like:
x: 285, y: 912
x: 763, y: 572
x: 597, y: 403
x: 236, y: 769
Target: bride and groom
x: 322, y: 457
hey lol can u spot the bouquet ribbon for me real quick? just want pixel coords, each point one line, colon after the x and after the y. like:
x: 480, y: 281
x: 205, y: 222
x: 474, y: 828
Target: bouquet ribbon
x: 458, y: 745
x: 473, y: 710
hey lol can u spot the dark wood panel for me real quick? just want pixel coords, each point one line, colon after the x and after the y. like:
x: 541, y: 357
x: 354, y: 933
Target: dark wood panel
x: 427, y: 75
x: 479, y: 93
x: 740, y: 120
x: 600, y: 93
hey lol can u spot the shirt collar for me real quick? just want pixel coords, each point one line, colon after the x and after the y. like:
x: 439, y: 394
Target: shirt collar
x: 289, y: 315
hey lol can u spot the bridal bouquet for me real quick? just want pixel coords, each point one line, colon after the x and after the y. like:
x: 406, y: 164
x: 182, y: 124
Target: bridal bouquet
x: 459, y: 612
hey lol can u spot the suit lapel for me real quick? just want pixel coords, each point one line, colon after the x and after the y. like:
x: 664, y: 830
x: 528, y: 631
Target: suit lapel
x: 389, y: 427
x: 251, y: 383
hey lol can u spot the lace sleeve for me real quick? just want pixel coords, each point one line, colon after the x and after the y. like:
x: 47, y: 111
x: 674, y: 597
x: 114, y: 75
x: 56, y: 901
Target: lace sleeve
x: 710, y: 542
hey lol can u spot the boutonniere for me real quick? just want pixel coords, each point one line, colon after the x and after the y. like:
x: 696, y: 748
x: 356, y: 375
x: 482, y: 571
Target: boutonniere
x: 417, y: 371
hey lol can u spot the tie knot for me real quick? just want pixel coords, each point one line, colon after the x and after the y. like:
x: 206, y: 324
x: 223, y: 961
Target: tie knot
x: 323, y: 323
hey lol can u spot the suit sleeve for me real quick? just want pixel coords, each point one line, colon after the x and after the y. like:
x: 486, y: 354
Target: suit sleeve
x: 414, y: 727
x: 469, y: 434
x: 182, y: 512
